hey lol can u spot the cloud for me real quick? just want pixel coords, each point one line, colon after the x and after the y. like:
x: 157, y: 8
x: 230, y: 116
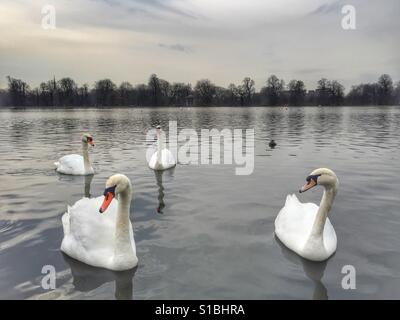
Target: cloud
x: 150, y: 7
x: 327, y: 8
x: 175, y: 47
x: 307, y: 71
x: 130, y: 39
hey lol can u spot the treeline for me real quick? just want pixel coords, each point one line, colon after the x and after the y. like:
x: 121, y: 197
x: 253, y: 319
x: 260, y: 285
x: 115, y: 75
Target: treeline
x: 159, y: 92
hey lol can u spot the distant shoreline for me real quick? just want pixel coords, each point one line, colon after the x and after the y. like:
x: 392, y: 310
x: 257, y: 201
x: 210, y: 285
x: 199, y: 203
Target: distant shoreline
x: 183, y: 107
x: 161, y: 93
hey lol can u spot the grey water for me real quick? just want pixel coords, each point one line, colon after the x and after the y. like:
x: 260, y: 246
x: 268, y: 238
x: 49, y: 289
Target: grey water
x: 201, y: 231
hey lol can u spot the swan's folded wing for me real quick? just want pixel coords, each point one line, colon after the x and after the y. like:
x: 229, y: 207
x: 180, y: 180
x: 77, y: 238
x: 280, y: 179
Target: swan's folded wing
x: 65, y: 221
x: 294, y: 222
x: 71, y: 164
x: 89, y: 230
x: 168, y: 159
x: 330, y: 240
x: 153, y: 161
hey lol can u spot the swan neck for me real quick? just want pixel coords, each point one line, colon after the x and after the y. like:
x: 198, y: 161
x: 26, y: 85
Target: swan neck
x: 122, y: 233
x: 85, y: 153
x: 323, y: 210
x: 159, y: 147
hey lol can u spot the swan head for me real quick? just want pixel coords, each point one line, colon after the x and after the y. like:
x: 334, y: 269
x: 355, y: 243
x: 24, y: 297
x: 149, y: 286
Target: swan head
x: 322, y: 176
x: 88, y: 138
x: 158, y: 130
x: 115, y: 185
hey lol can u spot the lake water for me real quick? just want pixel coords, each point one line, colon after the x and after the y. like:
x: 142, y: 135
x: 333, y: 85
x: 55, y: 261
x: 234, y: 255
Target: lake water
x: 214, y: 237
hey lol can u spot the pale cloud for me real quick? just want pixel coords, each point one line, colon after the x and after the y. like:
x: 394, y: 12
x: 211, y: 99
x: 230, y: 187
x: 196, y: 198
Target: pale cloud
x: 176, y: 47
x: 130, y: 39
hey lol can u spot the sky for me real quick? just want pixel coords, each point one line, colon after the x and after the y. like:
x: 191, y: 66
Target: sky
x: 188, y: 40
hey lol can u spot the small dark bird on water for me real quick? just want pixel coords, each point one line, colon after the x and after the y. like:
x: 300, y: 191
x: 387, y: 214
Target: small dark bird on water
x: 272, y: 144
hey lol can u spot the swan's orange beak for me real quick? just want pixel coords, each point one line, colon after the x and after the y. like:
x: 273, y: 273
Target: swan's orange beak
x: 310, y: 184
x: 91, y: 141
x: 108, y: 198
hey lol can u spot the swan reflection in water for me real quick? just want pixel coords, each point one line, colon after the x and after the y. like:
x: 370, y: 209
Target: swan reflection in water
x: 313, y: 270
x: 159, y: 181
x: 87, y: 182
x: 87, y: 278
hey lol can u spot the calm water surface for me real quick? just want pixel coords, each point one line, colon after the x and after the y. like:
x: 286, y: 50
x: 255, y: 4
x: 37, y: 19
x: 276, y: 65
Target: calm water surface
x: 214, y: 237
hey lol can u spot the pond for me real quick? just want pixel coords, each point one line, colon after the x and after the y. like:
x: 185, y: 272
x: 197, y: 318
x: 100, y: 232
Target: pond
x: 201, y: 231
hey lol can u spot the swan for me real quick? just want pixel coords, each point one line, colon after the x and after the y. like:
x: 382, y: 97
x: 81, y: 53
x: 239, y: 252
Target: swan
x: 75, y: 164
x: 162, y: 159
x: 304, y: 227
x: 102, y: 240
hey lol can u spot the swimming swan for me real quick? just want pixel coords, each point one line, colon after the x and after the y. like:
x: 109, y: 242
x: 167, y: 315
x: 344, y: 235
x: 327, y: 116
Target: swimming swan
x: 162, y: 159
x: 305, y: 227
x: 75, y: 164
x: 102, y: 240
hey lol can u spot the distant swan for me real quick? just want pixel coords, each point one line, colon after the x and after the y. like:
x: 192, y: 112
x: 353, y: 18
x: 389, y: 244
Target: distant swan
x: 102, y: 240
x: 162, y: 159
x: 305, y: 227
x: 75, y: 164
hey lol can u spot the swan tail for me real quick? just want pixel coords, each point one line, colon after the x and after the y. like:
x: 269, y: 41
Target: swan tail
x: 288, y: 199
x: 66, y: 221
x: 291, y: 198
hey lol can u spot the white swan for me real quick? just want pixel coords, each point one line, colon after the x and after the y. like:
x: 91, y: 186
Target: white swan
x: 102, y: 240
x: 75, y: 164
x: 305, y: 227
x: 162, y: 159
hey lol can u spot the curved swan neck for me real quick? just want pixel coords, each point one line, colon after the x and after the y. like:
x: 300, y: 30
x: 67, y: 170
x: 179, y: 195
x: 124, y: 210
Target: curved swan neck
x: 85, y: 153
x: 122, y: 233
x: 159, y: 146
x: 323, y: 210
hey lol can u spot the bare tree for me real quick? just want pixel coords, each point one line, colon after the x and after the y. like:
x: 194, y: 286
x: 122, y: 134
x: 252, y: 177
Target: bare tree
x: 385, y: 91
x: 179, y: 93
x: 248, y: 91
x: 336, y: 97
x: 273, y: 90
x: 67, y: 91
x: 234, y: 94
x: 105, y: 91
x: 18, y: 91
x: 125, y: 94
x: 204, y: 92
x: 297, y: 92
x: 154, y: 90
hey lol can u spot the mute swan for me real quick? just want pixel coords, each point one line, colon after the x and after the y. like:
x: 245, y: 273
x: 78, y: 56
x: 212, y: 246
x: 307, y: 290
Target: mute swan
x: 305, y: 227
x: 162, y: 159
x: 102, y: 240
x: 75, y: 164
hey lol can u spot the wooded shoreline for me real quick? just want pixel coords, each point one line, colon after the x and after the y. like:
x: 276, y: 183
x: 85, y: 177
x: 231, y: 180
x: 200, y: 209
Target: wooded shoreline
x: 66, y: 93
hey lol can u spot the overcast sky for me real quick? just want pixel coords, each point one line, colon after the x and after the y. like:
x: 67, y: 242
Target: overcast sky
x: 187, y: 40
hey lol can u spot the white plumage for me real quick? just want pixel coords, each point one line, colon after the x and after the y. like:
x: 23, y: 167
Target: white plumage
x: 162, y: 159
x: 167, y: 160
x: 305, y: 227
x: 100, y: 239
x: 293, y: 227
x: 73, y: 164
